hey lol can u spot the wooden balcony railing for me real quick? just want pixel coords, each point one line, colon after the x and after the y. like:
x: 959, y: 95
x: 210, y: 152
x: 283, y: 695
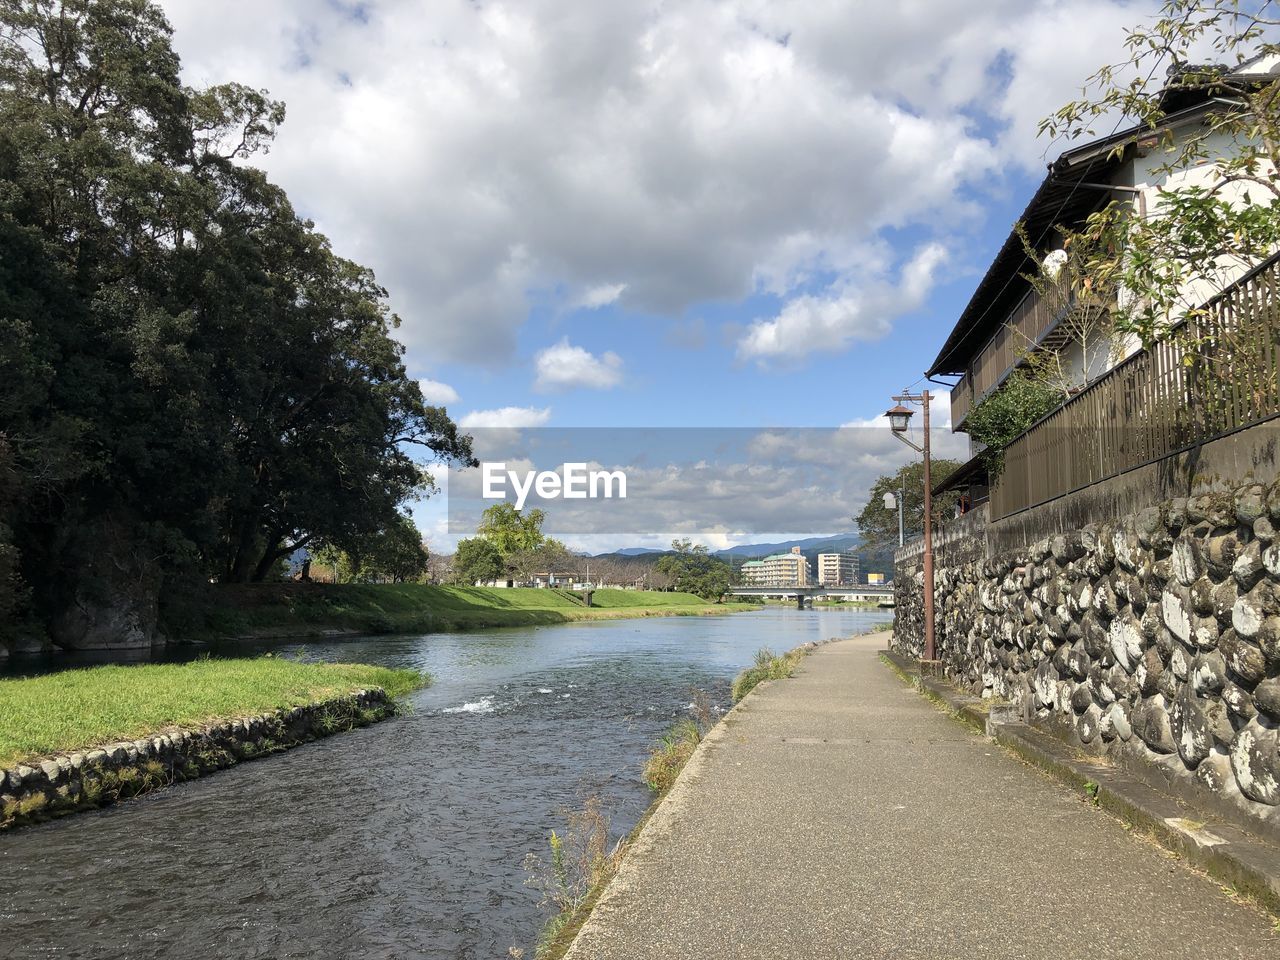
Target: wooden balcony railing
x: 961, y: 401
x: 1212, y: 375
x: 1016, y: 337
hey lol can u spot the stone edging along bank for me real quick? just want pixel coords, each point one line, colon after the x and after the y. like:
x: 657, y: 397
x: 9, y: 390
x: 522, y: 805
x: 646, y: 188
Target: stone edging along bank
x: 97, y: 777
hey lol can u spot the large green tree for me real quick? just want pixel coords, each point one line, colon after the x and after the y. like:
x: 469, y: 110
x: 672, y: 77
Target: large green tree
x: 192, y: 383
x: 477, y: 561
x: 692, y: 569
x: 878, y: 525
x: 510, y: 530
x: 394, y: 554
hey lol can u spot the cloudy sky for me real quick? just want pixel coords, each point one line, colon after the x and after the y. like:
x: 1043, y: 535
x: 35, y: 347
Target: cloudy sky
x: 670, y: 213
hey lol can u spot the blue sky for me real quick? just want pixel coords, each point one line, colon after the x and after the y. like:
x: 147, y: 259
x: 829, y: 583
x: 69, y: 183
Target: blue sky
x: 730, y: 213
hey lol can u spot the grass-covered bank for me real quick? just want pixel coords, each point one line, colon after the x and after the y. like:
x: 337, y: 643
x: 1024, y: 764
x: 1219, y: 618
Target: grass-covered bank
x: 77, y: 709
x: 303, y: 609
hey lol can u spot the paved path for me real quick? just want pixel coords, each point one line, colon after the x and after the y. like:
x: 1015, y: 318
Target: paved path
x: 839, y: 814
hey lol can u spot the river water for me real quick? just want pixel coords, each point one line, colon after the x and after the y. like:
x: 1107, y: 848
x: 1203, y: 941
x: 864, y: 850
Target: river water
x: 404, y: 839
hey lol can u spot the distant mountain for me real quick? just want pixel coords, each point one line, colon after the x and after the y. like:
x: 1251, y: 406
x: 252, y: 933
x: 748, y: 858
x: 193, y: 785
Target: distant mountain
x: 870, y: 560
x: 747, y: 551
x: 814, y: 545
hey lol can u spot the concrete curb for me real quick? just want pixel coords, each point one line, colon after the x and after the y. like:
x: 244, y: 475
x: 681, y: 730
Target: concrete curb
x: 663, y: 816
x: 1222, y: 850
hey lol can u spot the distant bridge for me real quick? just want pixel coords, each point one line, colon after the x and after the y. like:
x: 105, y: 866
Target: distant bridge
x: 802, y: 595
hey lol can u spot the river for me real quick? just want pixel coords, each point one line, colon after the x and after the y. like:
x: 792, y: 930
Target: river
x: 404, y: 839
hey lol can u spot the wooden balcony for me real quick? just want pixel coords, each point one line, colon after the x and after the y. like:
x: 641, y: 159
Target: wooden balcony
x: 961, y: 401
x: 1018, y: 336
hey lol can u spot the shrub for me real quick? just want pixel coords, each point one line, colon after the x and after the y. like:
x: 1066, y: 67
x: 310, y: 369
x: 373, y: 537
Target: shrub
x: 1003, y: 416
x: 582, y: 862
x: 671, y: 754
x: 768, y: 666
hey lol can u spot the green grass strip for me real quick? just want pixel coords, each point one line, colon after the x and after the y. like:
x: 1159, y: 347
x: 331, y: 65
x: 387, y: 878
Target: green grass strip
x: 77, y: 709
x: 302, y: 608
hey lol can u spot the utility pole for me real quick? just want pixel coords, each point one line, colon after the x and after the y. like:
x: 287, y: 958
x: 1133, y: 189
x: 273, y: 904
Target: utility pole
x: 902, y: 509
x: 896, y: 501
x: 899, y: 418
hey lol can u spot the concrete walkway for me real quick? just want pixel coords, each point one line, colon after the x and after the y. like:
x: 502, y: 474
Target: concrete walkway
x: 838, y: 814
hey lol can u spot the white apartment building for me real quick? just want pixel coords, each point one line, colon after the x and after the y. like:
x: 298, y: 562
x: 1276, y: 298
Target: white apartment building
x: 837, y: 569
x: 779, y: 570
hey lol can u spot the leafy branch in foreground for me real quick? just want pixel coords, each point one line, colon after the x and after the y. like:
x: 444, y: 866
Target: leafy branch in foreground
x: 1003, y: 416
x: 1217, y: 209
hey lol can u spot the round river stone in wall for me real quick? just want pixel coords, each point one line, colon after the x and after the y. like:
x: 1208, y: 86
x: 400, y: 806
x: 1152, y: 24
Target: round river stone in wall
x: 1248, y: 568
x: 1223, y: 549
x: 1151, y: 723
x: 1266, y: 697
x: 1208, y: 673
x: 1190, y: 728
x: 1186, y: 562
x: 1115, y: 723
x: 1255, y: 761
x: 1251, y: 503
x: 1243, y: 657
x: 1175, y: 608
x: 1238, y: 701
x: 1147, y: 673
x: 1088, y: 723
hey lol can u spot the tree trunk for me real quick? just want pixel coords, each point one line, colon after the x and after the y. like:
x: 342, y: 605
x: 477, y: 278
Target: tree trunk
x: 269, y: 557
x: 238, y: 571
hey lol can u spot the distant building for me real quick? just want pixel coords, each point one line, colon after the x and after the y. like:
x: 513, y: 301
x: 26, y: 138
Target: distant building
x: 779, y: 570
x: 837, y: 569
x: 875, y: 579
x: 551, y: 580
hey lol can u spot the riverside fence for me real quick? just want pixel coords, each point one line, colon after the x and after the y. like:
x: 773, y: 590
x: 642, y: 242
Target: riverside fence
x: 1213, y: 374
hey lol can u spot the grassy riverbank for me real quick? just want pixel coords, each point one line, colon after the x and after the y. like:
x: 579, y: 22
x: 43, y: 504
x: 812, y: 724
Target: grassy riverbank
x: 75, y: 709
x: 302, y: 609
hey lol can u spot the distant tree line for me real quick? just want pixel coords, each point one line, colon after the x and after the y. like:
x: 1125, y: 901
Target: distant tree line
x: 510, y: 545
x: 193, y: 385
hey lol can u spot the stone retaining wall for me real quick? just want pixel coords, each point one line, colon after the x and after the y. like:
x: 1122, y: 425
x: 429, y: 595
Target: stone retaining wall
x: 955, y: 542
x: 1154, y: 640
x: 93, y: 778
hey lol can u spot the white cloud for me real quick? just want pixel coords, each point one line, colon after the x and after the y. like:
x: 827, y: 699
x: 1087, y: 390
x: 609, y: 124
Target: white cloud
x: 725, y: 483
x: 437, y: 393
x: 600, y: 296
x: 514, y: 418
x: 689, y: 151
x: 563, y: 366
x: 848, y: 313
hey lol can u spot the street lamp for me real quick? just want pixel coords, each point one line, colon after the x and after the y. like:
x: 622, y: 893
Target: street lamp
x: 899, y: 419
